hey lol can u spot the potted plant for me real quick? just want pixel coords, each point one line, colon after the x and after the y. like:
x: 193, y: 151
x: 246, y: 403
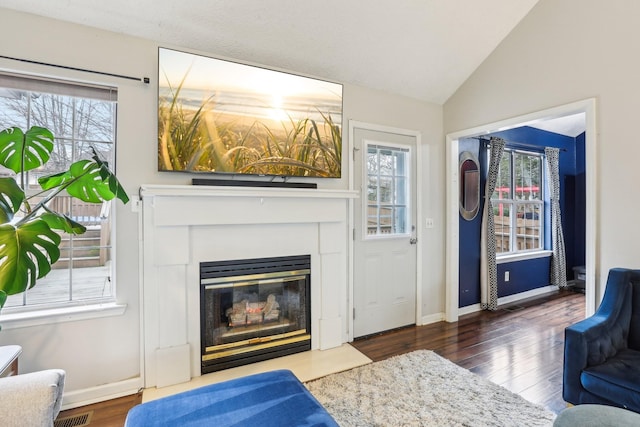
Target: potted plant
x: 29, y: 239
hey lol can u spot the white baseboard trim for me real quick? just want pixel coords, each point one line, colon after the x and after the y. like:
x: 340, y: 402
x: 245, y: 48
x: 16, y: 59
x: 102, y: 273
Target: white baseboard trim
x: 87, y: 396
x: 432, y: 318
x: 510, y: 298
x: 529, y: 294
x: 468, y: 309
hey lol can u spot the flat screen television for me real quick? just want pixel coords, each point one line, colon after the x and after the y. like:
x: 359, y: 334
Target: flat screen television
x: 219, y: 116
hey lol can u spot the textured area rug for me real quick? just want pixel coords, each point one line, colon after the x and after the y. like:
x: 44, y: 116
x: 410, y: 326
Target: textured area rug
x: 422, y: 389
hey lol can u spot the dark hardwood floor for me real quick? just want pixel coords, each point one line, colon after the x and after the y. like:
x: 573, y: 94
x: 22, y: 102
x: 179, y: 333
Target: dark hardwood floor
x: 104, y: 414
x: 519, y: 346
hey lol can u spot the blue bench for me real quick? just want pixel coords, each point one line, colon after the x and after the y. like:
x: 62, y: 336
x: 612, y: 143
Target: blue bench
x: 270, y: 399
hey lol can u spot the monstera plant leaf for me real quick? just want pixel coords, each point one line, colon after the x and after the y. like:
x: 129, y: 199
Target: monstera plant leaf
x: 110, y: 179
x: 11, y: 198
x: 23, y: 152
x: 88, y: 180
x: 29, y: 245
x: 26, y: 254
x: 58, y: 221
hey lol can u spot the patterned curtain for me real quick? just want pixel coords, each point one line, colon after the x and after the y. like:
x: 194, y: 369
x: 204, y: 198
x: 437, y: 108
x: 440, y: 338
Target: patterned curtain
x: 559, y: 257
x: 488, y: 268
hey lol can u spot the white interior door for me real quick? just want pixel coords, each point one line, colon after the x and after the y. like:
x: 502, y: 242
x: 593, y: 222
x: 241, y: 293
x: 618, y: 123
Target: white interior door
x: 384, y: 294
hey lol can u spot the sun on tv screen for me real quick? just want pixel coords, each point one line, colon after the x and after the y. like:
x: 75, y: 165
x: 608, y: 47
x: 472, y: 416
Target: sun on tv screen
x: 218, y: 116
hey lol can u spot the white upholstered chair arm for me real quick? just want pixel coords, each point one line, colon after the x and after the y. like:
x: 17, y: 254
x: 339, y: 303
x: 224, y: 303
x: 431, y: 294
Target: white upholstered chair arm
x: 32, y: 399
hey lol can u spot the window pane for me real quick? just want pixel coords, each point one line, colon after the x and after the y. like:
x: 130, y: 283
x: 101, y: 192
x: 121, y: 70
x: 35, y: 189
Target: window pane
x: 372, y: 222
x: 401, y: 163
x: 85, y: 150
x: 372, y: 189
x: 401, y: 191
x: 502, y: 224
x: 61, y: 157
x: 92, y: 273
x: 7, y: 173
x: 503, y: 183
x: 400, y: 220
x: 54, y: 288
x: 386, y: 190
x: 529, y: 227
x: 14, y: 104
x: 96, y: 120
x: 55, y: 112
x: 372, y: 160
x: 387, y: 162
x: 385, y: 220
x: 528, y: 176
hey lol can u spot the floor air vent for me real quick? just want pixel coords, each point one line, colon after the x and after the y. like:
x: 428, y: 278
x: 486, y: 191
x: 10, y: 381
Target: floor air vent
x: 78, y: 420
x: 514, y: 308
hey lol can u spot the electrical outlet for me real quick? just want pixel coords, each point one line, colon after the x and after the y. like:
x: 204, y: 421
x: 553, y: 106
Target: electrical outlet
x: 506, y: 276
x: 428, y: 222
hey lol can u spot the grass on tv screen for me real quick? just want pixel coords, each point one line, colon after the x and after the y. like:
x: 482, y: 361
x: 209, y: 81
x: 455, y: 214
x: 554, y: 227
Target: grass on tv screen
x: 218, y: 116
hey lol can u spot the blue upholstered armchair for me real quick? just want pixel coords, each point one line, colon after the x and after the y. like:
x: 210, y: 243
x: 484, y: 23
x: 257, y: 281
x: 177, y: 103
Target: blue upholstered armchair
x: 602, y: 352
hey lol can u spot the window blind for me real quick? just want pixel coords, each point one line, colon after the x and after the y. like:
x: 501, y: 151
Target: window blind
x: 58, y: 87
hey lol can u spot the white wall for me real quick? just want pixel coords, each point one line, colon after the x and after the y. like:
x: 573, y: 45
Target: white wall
x: 106, y: 350
x: 99, y: 353
x: 565, y: 51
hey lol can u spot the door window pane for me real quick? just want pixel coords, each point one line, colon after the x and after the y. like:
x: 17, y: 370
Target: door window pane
x: 387, y: 190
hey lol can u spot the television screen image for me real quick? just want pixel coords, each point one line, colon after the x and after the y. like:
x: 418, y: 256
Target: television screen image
x: 218, y: 116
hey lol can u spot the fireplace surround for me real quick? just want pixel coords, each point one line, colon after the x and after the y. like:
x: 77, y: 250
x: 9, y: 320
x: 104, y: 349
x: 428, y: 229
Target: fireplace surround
x: 183, y: 226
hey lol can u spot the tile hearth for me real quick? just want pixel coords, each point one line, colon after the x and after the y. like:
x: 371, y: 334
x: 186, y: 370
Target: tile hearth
x: 307, y: 366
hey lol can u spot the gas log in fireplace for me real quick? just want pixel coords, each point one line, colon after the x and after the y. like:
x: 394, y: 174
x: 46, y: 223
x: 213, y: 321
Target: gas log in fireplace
x: 253, y: 310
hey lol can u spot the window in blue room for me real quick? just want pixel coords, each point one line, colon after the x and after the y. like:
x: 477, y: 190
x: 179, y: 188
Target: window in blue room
x: 518, y: 203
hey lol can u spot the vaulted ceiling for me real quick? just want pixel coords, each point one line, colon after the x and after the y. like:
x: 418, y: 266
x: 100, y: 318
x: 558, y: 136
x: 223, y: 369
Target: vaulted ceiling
x: 423, y: 49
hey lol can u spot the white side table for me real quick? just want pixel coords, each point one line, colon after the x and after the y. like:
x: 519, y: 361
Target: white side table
x: 9, y: 360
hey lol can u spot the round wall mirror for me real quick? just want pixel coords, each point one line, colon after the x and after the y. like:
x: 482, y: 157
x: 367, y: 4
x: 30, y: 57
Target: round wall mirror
x: 469, y: 185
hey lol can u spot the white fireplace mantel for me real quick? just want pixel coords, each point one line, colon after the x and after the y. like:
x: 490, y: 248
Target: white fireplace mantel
x: 241, y: 191
x: 184, y: 225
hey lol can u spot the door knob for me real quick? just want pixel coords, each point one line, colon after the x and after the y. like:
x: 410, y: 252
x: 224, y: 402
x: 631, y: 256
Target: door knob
x: 413, y: 241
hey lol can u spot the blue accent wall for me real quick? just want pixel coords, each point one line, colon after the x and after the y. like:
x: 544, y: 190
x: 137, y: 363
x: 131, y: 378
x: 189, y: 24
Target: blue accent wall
x: 523, y: 276
x: 528, y: 274
x: 580, y: 208
x: 469, y: 251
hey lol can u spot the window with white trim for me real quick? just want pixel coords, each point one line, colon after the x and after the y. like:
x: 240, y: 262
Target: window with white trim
x: 387, y: 190
x: 80, y: 117
x: 518, y: 203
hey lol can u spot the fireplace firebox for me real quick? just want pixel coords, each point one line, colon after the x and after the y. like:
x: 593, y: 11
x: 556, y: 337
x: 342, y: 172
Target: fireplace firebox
x: 253, y: 310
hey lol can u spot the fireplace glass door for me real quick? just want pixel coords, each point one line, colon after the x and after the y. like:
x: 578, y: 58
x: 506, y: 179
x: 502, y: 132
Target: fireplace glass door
x: 254, y: 311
